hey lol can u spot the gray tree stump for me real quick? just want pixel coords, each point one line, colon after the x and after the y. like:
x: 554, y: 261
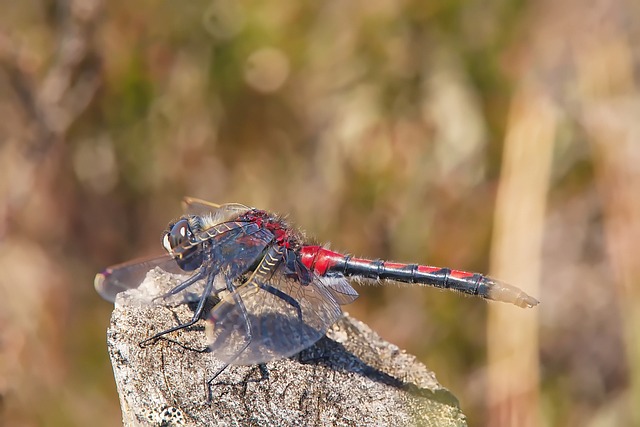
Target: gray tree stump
x: 350, y: 377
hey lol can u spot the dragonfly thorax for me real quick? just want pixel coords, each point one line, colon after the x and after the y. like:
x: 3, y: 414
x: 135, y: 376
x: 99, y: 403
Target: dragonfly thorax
x: 283, y: 234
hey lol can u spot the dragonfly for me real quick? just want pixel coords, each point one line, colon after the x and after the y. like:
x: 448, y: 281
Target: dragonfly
x: 275, y: 293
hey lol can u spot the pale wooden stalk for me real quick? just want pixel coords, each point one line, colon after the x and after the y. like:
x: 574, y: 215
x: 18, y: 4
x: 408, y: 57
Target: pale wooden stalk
x: 513, y: 371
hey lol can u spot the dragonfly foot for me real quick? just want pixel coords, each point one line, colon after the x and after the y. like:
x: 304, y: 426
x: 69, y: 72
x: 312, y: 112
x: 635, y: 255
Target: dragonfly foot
x: 210, y: 382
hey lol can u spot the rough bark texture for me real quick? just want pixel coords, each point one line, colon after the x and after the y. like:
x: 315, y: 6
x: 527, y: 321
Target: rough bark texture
x: 350, y: 377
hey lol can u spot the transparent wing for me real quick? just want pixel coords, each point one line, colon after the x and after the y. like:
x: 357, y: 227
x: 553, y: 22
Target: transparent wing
x: 129, y: 275
x: 340, y: 289
x: 199, y: 207
x: 194, y: 206
x: 271, y: 316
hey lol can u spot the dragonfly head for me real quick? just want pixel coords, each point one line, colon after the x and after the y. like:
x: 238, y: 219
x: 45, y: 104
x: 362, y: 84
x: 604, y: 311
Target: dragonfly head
x: 181, y: 243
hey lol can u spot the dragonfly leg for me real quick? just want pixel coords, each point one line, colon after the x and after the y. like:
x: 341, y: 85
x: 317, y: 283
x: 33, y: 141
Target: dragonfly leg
x: 182, y: 286
x: 210, y: 381
x: 198, y: 312
x: 283, y: 296
x: 264, y: 372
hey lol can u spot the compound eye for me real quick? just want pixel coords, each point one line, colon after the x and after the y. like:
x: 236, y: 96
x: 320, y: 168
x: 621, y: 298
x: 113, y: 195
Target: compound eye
x: 179, y: 234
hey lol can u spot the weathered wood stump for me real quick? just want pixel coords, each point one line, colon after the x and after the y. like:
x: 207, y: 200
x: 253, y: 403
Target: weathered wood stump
x: 351, y: 377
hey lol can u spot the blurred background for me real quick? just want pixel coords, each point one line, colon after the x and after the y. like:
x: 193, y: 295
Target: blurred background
x: 494, y: 136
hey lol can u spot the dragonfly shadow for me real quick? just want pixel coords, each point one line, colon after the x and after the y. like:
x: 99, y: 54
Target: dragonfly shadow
x: 334, y: 355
